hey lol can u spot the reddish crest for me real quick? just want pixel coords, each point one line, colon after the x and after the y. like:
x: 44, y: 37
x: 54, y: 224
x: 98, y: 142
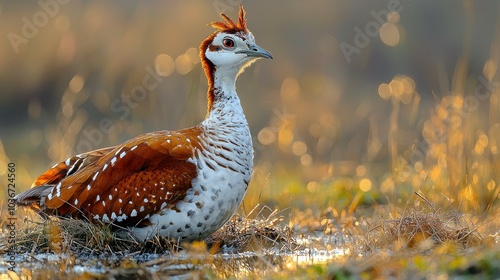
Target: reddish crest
x: 230, y: 26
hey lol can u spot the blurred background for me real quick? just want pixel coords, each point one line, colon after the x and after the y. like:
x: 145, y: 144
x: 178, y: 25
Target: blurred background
x: 364, y: 103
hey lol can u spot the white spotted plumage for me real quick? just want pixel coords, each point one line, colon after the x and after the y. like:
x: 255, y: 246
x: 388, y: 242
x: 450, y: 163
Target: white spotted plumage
x: 58, y: 189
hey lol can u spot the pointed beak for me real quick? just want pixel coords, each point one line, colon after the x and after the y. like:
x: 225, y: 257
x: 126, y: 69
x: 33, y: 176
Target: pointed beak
x: 256, y: 51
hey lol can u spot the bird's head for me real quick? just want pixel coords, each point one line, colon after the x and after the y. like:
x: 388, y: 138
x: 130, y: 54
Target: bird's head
x: 231, y: 47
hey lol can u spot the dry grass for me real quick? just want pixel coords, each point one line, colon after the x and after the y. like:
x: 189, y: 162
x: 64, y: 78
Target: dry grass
x: 421, y: 229
x: 76, y: 242
x: 78, y: 237
x: 243, y: 234
x: 55, y: 247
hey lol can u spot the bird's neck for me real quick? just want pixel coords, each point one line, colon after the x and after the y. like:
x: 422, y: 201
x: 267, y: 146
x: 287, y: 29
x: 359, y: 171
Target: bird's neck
x: 223, y: 102
x: 226, y: 119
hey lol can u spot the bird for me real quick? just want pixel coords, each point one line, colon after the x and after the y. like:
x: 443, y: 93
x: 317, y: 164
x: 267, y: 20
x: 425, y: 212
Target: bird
x: 182, y: 184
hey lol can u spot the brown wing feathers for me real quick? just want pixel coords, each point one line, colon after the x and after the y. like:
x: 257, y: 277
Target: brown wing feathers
x: 123, y: 184
x: 68, y: 167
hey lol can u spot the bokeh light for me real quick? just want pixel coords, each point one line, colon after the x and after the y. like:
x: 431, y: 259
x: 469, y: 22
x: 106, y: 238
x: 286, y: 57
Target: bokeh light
x: 164, y: 65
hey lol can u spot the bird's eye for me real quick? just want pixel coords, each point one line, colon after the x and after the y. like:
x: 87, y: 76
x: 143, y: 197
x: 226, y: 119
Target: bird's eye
x: 228, y: 43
